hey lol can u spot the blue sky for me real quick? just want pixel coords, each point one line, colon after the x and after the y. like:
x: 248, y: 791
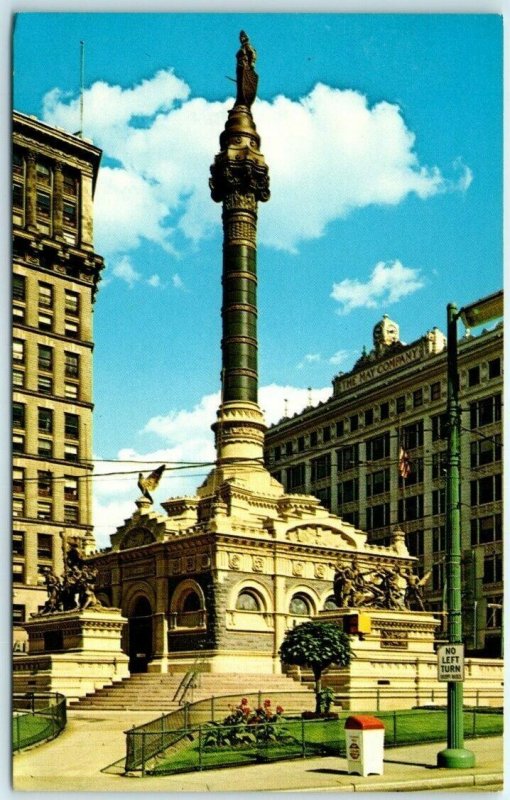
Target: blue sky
x: 383, y: 136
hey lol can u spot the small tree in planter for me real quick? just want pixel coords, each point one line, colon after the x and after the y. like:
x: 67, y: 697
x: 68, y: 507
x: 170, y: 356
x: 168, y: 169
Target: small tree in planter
x: 316, y: 645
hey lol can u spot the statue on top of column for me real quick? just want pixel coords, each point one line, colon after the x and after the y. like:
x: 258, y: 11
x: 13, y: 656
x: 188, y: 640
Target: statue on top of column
x: 246, y: 77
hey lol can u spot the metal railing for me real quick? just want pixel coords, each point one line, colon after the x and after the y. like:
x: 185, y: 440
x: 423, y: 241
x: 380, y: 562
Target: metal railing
x: 198, y: 747
x: 37, y: 717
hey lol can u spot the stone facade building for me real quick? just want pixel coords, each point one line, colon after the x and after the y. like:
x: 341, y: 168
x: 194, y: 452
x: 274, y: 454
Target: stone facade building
x: 55, y: 277
x: 352, y: 452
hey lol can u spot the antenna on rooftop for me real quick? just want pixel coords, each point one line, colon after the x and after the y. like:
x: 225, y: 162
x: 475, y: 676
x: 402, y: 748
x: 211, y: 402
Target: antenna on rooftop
x: 82, y: 72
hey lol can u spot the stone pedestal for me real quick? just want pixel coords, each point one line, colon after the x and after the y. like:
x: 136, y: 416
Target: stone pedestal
x: 72, y: 652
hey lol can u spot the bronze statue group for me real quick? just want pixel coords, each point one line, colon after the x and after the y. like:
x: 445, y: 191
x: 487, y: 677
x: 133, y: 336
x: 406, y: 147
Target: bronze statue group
x: 383, y: 587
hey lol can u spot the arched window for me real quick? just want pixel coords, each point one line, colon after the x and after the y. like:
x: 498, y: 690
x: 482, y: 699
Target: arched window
x: 187, y: 607
x: 248, y: 600
x: 330, y: 604
x: 300, y: 606
x: 191, y: 602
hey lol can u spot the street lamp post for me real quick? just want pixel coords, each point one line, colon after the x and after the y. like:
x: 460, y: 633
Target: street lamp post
x: 455, y: 755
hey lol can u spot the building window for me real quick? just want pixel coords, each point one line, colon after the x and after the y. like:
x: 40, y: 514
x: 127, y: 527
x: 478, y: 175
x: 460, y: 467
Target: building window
x: 72, y: 303
x: 340, y: 427
x: 44, y: 545
x: 248, y: 600
x: 352, y: 517
x: 71, y: 391
x: 321, y: 467
x: 44, y: 510
x: 314, y: 438
x: 44, y: 483
x: 300, y: 606
x: 43, y: 204
x: 417, y: 398
x: 70, y: 183
x: 71, y: 329
x: 18, y: 443
x: 18, y: 351
x: 486, y: 451
x: 378, y: 516
x: 354, y: 423
x: 410, y: 508
x: 378, y: 447
x: 45, y: 298
x: 401, y: 404
x: 18, y: 543
x: 415, y: 543
x: 18, y: 415
x: 18, y: 315
x: 324, y: 496
x: 438, y: 539
x: 43, y: 173
x: 71, y: 514
x: 72, y: 365
x: 485, y: 411
x: 71, y: 489
x: 295, y: 476
x: 330, y: 604
x: 18, y: 480
x: 412, y: 435
x: 71, y: 426
x: 71, y: 452
x: 494, y: 616
x: 326, y: 433
x: 45, y: 357
x: 384, y: 411
x: 44, y: 385
x: 288, y: 448
x: 439, y: 465
x: 369, y: 416
x: 45, y: 420
x: 348, y: 491
x: 438, y: 576
x: 439, y: 424
x: 486, y: 529
x: 277, y: 453
x: 347, y: 457
x: 494, y: 368
x: 19, y: 288
x: 493, y: 568
x: 435, y: 390
x: 474, y: 376
x: 18, y: 378
x: 45, y: 322
x: 378, y: 482
x: 301, y: 444
x: 438, y: 501
x: 18, y: 573
x: 486, y: 490
x: 18, y: 507
x: 45, y: 448
x: 70, y: 214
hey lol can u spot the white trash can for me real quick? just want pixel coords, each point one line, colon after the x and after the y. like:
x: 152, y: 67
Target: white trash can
x: 364, y: 742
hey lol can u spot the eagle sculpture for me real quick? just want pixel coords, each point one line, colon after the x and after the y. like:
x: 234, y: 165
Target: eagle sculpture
x: 148, y: 484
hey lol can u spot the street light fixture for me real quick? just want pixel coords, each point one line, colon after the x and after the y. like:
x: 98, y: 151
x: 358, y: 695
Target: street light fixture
x: 490, y: 307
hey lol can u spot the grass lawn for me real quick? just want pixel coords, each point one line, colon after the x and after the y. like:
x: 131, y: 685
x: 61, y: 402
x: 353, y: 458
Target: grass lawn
x: 28, y: 729
x: 316, y: 737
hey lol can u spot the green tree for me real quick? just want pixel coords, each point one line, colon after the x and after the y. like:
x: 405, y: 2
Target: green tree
x: 316, y: 645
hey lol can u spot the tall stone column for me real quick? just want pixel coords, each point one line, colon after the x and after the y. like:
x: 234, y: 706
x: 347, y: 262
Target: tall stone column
x: 239, y: 180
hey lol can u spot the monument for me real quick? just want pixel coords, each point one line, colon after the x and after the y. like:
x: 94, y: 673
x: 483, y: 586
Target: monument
x: 74, y: 643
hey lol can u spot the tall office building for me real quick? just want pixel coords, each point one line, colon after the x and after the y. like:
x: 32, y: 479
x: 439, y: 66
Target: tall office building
x: 374, y: 454
x: 55, y: 278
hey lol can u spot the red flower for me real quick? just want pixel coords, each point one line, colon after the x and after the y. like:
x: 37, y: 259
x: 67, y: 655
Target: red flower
x: 279, y: 710
x: 267, y: 703
x: 244, y: 701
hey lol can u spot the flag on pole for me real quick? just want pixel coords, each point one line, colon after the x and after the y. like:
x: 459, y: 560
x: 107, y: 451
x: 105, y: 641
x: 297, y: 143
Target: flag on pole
x: 404, y: 463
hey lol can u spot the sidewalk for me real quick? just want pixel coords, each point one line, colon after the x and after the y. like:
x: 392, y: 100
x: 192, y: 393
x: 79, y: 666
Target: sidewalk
x: 93, y: 740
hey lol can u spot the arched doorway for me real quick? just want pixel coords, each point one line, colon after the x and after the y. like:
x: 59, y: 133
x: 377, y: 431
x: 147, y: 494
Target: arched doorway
x: 140, y: 636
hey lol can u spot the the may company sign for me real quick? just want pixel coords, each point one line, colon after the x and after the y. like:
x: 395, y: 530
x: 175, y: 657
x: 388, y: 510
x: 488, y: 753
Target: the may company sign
x: 450, y: 662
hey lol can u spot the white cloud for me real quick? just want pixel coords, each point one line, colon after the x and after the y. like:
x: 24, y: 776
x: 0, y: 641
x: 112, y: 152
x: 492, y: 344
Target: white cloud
x: 124, y: 270
x: 154, y: 281
x: 186, y: 440
x: 339, y: 357
x: 345, y: 155
x: 388, y: 283
x: 177, y: 281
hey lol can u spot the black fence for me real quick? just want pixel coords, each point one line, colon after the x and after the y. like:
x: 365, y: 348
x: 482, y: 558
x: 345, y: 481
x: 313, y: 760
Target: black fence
x: 37, y: 717
x: 184, y: 739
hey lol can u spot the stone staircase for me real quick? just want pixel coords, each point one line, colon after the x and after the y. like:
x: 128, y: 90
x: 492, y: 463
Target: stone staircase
x: 156, y: 691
